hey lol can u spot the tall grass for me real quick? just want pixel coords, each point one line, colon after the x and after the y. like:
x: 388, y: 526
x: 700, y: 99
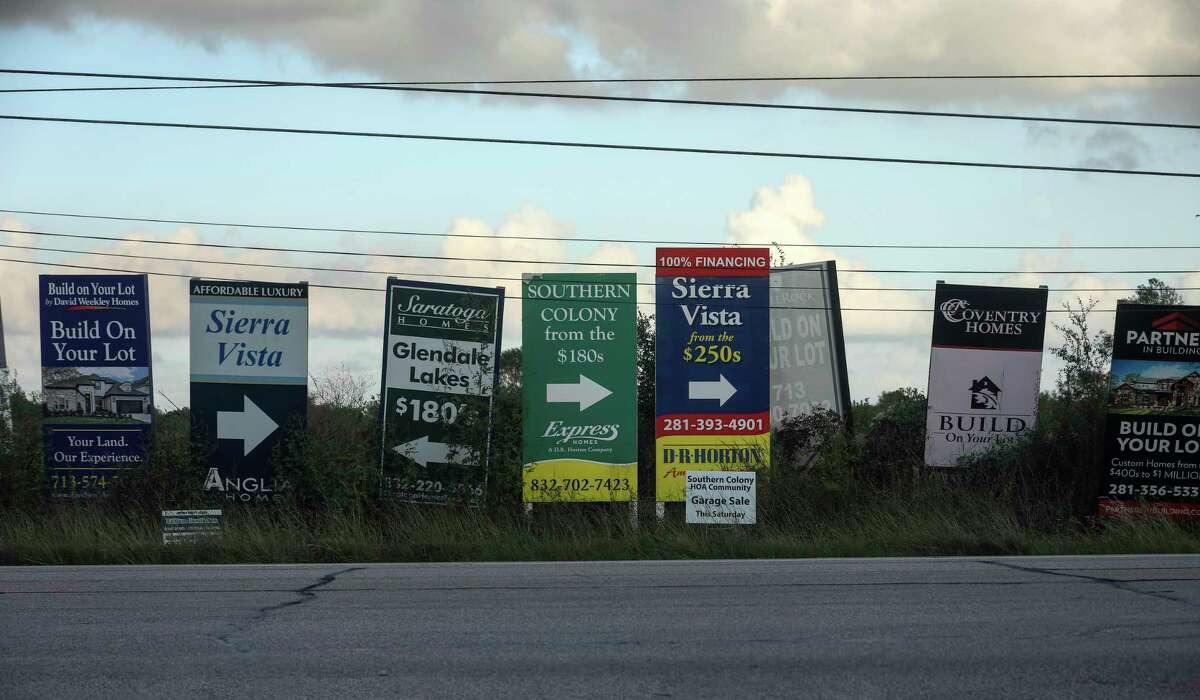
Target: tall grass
x: 88, y: 533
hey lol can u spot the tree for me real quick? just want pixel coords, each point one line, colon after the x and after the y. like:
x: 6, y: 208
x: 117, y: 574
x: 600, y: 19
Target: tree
x: 1085, y: 355
x: 1155, y: 291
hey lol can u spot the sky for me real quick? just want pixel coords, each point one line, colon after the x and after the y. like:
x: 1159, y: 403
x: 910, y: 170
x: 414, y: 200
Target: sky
x: 501, y: 191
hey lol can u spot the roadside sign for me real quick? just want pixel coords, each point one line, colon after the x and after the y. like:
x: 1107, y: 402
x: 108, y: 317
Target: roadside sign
x: 985, y: 368
x: 190, y: 526
x: 722, y: 498
x: 1152, y: 430
x: 249, y: 383
x: 808, y: 349
x: 712, y: 369
x: 440, y: 364
x: 97, y: 382
x: 579, y: 360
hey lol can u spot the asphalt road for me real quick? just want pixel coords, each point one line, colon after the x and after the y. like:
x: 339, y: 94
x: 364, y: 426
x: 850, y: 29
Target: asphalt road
x: 1059, y: 627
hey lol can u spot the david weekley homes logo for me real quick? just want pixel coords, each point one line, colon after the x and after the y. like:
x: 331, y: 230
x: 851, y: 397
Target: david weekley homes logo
x: 987, y: 321
x: 581, y: 433
x: 985, y: 394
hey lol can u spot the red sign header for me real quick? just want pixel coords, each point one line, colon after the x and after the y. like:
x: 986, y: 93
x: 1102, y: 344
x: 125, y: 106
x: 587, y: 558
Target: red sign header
x: 717, y: 262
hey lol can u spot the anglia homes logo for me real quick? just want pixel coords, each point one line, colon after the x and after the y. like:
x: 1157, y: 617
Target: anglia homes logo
x: 987, y: 321
x: 985, y: 394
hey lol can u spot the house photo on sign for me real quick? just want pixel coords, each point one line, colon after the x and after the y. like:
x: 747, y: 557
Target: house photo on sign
x: 985, y: 368
x: 1152, y: 431
x: 249, y: 383
x: 712, y: 369
x: 440, y: 365
x: 808, y: 349
x: 97, y: 384
x: 579, y: 358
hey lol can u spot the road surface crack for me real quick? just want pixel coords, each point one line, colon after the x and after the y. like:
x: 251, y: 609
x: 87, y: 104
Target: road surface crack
x: 1104, y: 580
x: 304, y: 595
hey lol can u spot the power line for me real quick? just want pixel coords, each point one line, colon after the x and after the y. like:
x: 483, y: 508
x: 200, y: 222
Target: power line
x: 511, y: 261
x: 629, y: 99
x: 492, y: 278
x: 569, y: 239
x: 506, y: 297
x: 694, y: 79
x: 601, y: 146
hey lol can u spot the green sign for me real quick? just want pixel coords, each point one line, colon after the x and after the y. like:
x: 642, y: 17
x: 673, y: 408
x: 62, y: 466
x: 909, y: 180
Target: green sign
x: 579, y: 361
x: 440, y: 351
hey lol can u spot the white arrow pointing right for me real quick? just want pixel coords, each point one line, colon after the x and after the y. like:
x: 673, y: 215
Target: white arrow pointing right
x: 720, y: 390
x: 586, y: 393
x: 250, y: 425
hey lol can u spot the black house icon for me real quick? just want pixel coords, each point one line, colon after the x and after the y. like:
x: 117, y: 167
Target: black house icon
x: 985, y: 394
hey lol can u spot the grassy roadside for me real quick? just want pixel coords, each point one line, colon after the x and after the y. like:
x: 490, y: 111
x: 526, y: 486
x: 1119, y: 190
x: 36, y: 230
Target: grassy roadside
x: 86, y: 535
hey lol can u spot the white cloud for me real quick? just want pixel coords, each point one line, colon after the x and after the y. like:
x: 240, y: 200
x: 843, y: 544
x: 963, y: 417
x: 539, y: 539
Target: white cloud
x: 412, y: 39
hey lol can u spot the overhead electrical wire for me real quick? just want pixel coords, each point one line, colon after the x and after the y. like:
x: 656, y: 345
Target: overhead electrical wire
x: 514, y: 261
x: 569, y: 239
x: 694, y: 79
x: 392, y: 87
x: 506, y: 297
x: 600, y: 146
x: 444, y: 275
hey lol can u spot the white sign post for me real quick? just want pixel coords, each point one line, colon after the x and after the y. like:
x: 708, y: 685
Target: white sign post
x: 722, y: 498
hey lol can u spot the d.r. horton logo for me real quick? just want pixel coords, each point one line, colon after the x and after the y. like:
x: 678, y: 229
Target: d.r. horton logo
x: 246, y: 489
x: 987, y: 321
x: 581, y: 433
x: 985, y: 394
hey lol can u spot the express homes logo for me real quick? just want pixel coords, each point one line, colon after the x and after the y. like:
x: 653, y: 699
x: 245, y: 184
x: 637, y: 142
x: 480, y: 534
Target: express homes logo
x: 985, y: 394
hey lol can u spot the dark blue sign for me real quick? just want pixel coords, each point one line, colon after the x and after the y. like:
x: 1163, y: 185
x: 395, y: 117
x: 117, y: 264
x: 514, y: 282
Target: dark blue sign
x: 712, y: 363
x: 97, y: 384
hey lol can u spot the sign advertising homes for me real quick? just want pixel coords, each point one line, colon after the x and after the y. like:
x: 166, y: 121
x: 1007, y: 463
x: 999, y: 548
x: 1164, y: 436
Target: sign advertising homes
x: 97, y: 386
x: 808, y: 350
x: 712, y: 380
x: 1152, y: 432
x: 249, y: 383
x: 985, y: 368
x: 580, y: 387
x: 440, y: 364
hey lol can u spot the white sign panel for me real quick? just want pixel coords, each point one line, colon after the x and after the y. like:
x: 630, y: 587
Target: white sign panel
x: 985, y: 368
x: 808, y: 351
x: 722, y: 498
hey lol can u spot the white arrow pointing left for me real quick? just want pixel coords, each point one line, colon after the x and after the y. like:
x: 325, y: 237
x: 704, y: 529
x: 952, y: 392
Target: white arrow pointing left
x: 422, y: 451
x: 250, y: 425
x: 586, y: 393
